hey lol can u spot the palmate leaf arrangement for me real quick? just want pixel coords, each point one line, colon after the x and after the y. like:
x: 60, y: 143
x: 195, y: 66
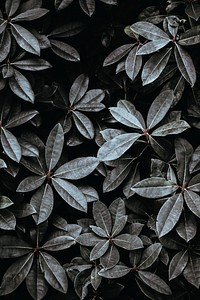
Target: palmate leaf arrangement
x: 100, y: 172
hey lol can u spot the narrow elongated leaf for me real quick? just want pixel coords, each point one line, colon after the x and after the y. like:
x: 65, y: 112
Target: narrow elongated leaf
x: 54, y: 146
x: 61, y: 4
x: 11, y: 6
x: 88, y: 6
x: 10, y: 145
x: 111, y: 2
x: 67, y: 30
x: 192, y: 200
x: 21, y: 118
x: 30, y: 15
x: 78, y: 88
x: 83, y: 124
x: 169, y: 214
x: 116, y: 272
x: 21, y: 87
x: 36, y: 283
x: 25, y: 39
x: 77, y: 168
x: 99, y: 249
x: 3, y: 25
x: 91, y: 101
x: 81, y: 283
x: 110, y: 258
x: 194, y: 164
x: 70, y: 193
x: 15, y: 274
x: 190, y: 37
x: 133, y: 63
x: 155, y: 282
x: 116, y: 147
x: 117, y: 209
x: 42, y: 201
x: 155, y: 65
x: 5, y: 43
x: 102, y: 216
x: 32, y: 64
x: 59, y: 243
x: 99, y: 231
x: 53, y: 272
x: 159, y: 108
x: 7, y: 220
x: 194, y: 183
x: 187, y: 227
x: 11, y: 246
x: 153, y: 46
x: 192, y: 272
x: 149, y: 256
x: 119, y: 225
x: 128, y: 241
x: 154, y: 187
x: 185, y: 64
x: 183, y: 150
x: 31, y: 183
x: 95, y: 278
x: 149, y: 31
x: 88, y: 239
x: 130, y: 108
x: 64, y: 50
x: 175, y: 127
x: 117, y: 54
x: 126, y: 118
x: 178, y: 264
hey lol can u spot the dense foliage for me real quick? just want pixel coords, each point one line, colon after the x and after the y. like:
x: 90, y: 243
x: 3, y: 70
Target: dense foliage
x: 100, y: 152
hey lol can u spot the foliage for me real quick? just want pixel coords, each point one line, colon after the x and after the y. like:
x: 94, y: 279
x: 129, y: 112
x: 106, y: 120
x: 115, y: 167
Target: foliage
x: 100, y: 156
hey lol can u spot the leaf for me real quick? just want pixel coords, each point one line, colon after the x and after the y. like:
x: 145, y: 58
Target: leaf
x: 128, y: 241
x: 190, y: 37
x: 7, y: 220
x: 119, y: 225
x: 187, y: 227
x: 54, y: 146
x: 25, y: 39
x: 194, y: 164
x: 31, y: 183
x: 102, y: 216
x: 155, y: 65
x: 5, y: 43
x: 89, y: 192
x: 91, y: 101
x: 21, y: 118
x: 183, y: 150
x: 98, y: 231
x: 169, y: 214
x: 185, y: 64
x: 23, y: 210
x: 11, y: 246
x: 155, y: 282
x: 35, y: 282
x: 133, y: 63
x: 29, y: 15
x: 126, y: 118
x: 64, y: 50
x: 70, y: 193
x: 175, y: 127
x: 117, y: 209
x: 116, y: 272
x: 88, y: 6
x: 21, y: 87
x: 5, y: 202
x: 154, y: 187
x: 83, y: 124
x: 178, y: 264
x: 59, y: 243
x: 149, y: 256
x: 110, y: 258
x: 10, y: 145
x: 152, y: 46
x: 42, y: 201
x: 111, y: 2
x: 193, y: 10
x: 194, y: 183
x: 78, y: 88
x: 15, y: 274
x: 88, y: 239
x: 192, y: 200
x: 77, y: 168
x: 53, y: 272
x: 149, y: 31
x: 99, y: 249
x: 159, y: 108
x: 95, y: 278
x: 32, y: 64
x: 116, y: 147
x: 191, y: 271
x: 68, y: 30
x: 11, y: 6
x: 81, y: 283
x: 117, y: 54
x: 61, y: 4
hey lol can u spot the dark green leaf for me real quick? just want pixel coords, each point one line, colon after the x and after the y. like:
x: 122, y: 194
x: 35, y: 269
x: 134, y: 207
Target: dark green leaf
x: 68, y: 30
